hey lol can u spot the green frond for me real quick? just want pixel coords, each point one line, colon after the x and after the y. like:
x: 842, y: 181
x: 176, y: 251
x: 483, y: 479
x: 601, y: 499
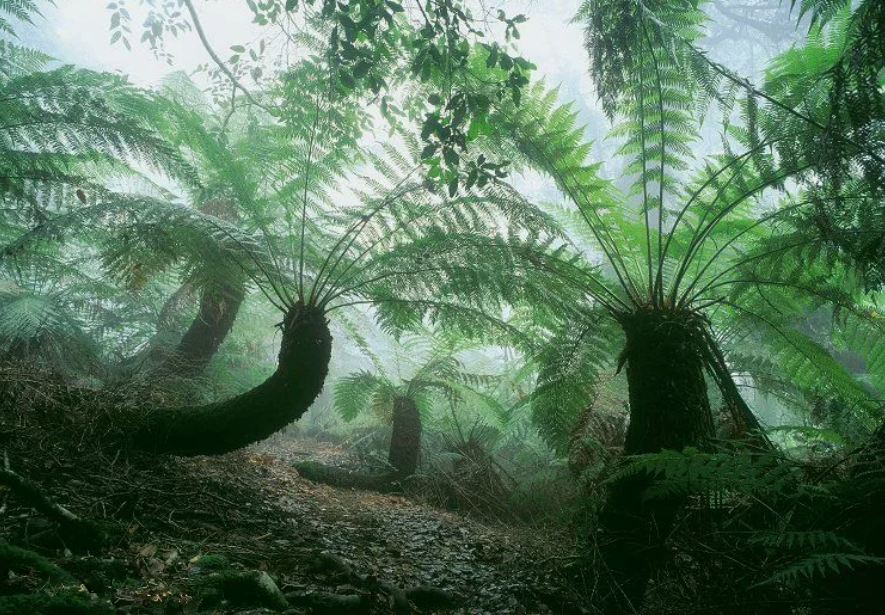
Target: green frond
x: 19, y: 10
x: 354, y: 392
x: 691, y: 472
x: 16, y: 60
x: 43, y: 327
x: 570, y: 369
x: 817, y: 566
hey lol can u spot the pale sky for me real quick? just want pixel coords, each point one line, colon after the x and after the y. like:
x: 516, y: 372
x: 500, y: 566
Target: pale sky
x: 77, y: 31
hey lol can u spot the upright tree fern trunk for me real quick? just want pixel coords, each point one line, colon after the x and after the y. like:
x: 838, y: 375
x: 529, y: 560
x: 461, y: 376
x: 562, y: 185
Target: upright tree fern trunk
x: 669, y: 409
x: 199, y: 344
x: 229, y: 425
x: 217, y: 313
x: 405, y: 441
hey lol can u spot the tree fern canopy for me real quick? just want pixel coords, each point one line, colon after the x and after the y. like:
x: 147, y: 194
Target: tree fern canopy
x: 287, y: 183
x: 724, y: 238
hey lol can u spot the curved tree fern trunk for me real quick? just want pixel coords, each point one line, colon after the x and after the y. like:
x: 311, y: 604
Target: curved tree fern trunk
x: 229, y: 425
x: 405, y: 441
x: 669, y: 409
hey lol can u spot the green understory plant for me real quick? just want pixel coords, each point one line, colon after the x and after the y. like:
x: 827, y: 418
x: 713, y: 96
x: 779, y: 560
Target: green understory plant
x: 438, y: 379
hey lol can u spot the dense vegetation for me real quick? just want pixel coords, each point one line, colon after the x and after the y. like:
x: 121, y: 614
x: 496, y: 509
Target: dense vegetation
x: 675, y: 358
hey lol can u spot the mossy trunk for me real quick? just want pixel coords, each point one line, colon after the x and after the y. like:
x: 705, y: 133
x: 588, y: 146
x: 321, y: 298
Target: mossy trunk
x: 669, y: 409
x: 384, y: 482
x: 405, y: 441
x: 225, y: 426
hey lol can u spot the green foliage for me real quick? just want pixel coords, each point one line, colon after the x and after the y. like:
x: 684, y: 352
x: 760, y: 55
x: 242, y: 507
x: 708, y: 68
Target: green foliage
x: 353, y: 392
x: 21, y: 10
x: 571, y: 369
x: 438, y: 379
x: 18, y: 561
x: 819, y: 565
x: 768, y: 251
x: 837, y: 77
x: 771, y: 513
x: 369, y: 49
x: 691, y: 472
x: 710, y: 239
x: 44, y: 327
x: 59, y: 604
x: 59, y: 123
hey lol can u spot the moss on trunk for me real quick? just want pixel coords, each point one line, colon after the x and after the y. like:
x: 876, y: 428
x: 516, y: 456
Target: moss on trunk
x: 385, y: 482
x: 669, y: 409
x: 225, y: 426
x: 405, y: 441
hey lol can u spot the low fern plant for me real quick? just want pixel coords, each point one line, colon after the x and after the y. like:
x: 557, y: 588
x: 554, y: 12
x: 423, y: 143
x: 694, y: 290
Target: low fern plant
x: 769, y: 514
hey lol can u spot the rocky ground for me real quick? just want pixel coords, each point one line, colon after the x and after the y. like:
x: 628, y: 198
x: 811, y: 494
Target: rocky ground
x: 245, y: 534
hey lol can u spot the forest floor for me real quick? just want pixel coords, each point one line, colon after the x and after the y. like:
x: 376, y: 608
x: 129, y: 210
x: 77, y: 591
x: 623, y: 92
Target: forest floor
x: 189, y: 531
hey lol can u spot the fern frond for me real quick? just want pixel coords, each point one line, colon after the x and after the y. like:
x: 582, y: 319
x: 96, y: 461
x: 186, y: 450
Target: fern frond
x: 354, y: 391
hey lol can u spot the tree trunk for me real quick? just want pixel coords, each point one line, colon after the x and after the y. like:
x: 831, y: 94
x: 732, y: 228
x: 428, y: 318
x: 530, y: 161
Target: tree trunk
x: 199, y: 344
x: 669, y: 409
x: 405, y: 441
x: 226, y: 426
x: 215, y: 319
x: 77, y: 532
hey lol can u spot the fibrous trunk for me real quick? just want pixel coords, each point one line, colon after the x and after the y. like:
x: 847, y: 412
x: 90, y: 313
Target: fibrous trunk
x: 253, y: 416
x: 405, y: 441
x: 199, y: 344
x: 669, y: 409
x: 219, y: 305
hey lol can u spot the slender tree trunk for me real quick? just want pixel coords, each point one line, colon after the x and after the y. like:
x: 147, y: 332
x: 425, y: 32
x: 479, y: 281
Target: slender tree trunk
x: 669, y: 409
x: 77, y: 532
x: 226, y: 426
x: 405, y: 441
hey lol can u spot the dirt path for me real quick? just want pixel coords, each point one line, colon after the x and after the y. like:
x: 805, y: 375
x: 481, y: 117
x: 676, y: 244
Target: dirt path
x: 492, y: 569
x: 321, y: 544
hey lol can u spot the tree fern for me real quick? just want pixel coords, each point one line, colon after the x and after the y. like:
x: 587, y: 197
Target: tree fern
x: 429, y: 377
x: 715, y: 246
x: 721, y: 241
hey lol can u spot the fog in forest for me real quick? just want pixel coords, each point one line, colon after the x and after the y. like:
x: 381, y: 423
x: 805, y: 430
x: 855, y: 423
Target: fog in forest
x: 442, y: 306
